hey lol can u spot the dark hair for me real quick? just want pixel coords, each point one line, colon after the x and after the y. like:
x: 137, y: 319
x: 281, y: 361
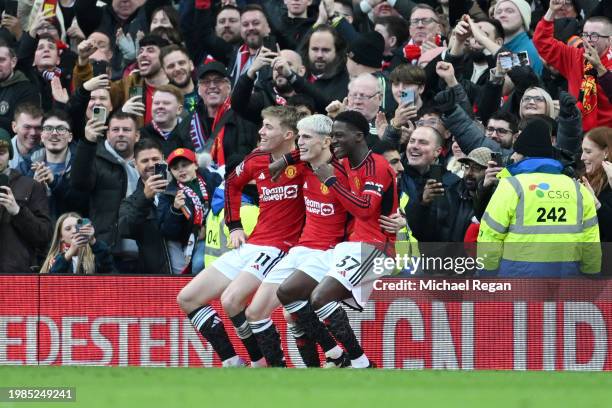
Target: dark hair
x: 60, y: 114
x: 507, y: 117
x: 384, y: 146
x: 339, y: 45
x: 47, y: 37
x: 254, y: 7
x: 11, y: 50
x: 119, y: 114
x: 408, y: 74
x: 170, y: 35
x: 355, y: 119
x: 226, y: 7
x: 302, y: 100
x: 396, y: 27
x: 153, y: 39
x: 552, y: 124
x: 169, y: 49
x: 499, y: 29
x: 172, y: 14
x: 347, y: 3
x: 147, y: 143
x: 429, y: 110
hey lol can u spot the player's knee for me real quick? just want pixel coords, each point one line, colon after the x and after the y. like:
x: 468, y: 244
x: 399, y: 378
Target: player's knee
x: 252, y: 314
x: 231, y: 302
x: 284, y: 295
x: 318, y: 299
x: 185, y: 301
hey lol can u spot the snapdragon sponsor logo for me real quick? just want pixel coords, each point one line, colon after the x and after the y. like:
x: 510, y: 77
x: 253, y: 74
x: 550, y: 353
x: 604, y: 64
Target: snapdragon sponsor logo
x: 412, y: 264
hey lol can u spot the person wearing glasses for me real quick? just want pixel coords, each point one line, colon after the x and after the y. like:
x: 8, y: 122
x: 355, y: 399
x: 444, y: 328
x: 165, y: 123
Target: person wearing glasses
x: 587, y: 69
x: 52, y: 165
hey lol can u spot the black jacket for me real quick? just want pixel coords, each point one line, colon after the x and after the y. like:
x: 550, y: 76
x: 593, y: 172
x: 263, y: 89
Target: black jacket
x: 138, y: 221
x: 15, y: 91
x: 96, y: 171
x: 24, y: 235
x: 240, y: 136
x: 179, y: 137
x: 444, y: 220
x: 172, y: 224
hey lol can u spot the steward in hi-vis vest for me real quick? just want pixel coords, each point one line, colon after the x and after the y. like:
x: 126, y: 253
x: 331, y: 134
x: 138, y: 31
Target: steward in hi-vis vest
x: 539, y: 222
x: 217, y: 233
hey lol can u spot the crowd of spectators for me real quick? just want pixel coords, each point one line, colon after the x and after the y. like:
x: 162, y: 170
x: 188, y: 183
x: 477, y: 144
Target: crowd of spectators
x: 96, y: 96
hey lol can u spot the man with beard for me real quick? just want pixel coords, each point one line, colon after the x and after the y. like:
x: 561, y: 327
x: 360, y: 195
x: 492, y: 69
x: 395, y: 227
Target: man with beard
x: 15, y: 88
x: 167, y: 127
x: 227, y: 24
x: 216, y: 128
x: 325, y: 60
x: 178, y: 68
x: 250, y: 98
x: 104, y: 168
x: 145, y: 79
x: 137, y: 213
x: 253, y: 29
x: 474, y: 48
x: 129, y: 15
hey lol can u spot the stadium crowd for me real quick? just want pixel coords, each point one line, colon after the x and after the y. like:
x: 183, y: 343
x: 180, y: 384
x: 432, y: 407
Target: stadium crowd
x: 276, y: 149
x: 458, y: 95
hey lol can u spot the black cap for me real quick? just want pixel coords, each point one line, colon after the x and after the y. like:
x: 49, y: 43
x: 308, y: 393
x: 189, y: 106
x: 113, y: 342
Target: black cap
x: 535, y: 140
x: 367, y: 49
x: 213, y: 66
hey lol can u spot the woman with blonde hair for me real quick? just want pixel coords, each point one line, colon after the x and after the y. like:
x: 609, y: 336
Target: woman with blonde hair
x: 536, y: 101
x: 75, y: 249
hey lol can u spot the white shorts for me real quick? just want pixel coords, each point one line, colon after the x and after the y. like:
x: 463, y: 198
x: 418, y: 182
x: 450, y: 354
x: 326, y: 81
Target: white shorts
x: 314, y: 262
x: 356, y: 266
x: 254, y: 259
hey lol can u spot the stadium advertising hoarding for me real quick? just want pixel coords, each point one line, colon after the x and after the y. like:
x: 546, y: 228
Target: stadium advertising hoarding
x: 432, y: 323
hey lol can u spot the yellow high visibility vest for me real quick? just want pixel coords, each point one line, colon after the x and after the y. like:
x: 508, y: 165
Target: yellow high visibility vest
x: 217, y: 233
x: 540, y: 221
x: 406, y: 243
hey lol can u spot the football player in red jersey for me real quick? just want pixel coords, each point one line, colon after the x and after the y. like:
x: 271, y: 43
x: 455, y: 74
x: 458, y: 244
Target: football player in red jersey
x: 326, y: 225
x: 365, y: 184
x: 238, y: 273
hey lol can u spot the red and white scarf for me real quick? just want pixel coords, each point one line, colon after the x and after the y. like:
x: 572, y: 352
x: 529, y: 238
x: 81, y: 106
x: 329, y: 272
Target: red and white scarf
x: 198, y: 206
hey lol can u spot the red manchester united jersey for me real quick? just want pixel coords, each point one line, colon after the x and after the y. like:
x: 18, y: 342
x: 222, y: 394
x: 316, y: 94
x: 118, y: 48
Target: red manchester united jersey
x: 326, y: 218
x: 281, y: 203
x: 367, y: 192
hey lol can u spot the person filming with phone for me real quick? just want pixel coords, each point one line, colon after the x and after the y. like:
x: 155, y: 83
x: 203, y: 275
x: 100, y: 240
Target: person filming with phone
x: 440, y: 205
x: 183, y: 208
x: 24, y: 215
x: 75, y: 249
x: 104, y: 169
x: 138, y: 212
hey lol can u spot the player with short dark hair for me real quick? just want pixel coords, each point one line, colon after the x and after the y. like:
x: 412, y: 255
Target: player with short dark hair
x: 365, y: 184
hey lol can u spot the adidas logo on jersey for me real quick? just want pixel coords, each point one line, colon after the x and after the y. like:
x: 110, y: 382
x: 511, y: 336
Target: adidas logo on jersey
x: 261, y: 176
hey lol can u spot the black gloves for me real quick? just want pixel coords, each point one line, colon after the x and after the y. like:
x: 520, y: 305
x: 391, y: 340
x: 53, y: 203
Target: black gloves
x: 445, y: 100
x: 567, y: 105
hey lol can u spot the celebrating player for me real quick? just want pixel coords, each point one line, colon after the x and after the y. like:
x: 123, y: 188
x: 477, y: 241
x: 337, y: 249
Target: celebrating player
x: 365, y: 185
x: 237, y: 274
x: 326, y: 226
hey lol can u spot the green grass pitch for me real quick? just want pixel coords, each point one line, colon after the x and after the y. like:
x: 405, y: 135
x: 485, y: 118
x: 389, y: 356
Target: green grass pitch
x: 115, y: 387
